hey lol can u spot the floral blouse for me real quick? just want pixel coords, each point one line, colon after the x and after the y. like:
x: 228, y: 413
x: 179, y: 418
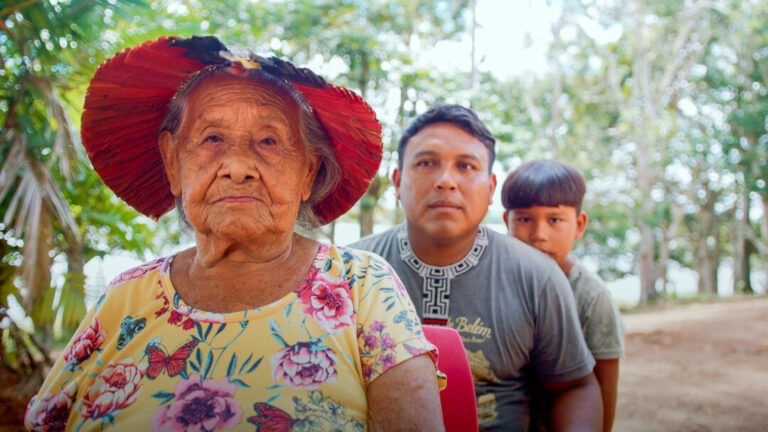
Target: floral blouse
x: 144, y: 360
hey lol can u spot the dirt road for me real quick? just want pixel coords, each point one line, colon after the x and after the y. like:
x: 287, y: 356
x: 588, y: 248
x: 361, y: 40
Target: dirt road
x: 700, y: 367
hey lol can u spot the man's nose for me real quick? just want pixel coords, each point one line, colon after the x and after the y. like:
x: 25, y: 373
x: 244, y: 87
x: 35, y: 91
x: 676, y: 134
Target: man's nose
x: 446, y: 180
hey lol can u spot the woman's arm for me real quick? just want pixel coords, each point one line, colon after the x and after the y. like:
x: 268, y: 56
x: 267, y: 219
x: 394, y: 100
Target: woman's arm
x: 406, y: 398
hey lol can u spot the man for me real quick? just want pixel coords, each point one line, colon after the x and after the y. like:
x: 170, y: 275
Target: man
x: 511, y: 304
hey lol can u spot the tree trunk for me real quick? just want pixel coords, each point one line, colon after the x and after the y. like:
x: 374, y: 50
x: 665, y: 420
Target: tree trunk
x: 647, y: 264
x: 706, y: 268
x: 368, y: 205
x: 741, y: 270
x: 72, y: 300
x: 39, y: 302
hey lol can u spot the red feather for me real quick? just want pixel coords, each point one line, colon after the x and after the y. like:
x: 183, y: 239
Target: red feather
x: 129, y: 95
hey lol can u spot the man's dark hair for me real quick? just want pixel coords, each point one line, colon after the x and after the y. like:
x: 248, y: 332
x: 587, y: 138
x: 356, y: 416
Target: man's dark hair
x: 462, y: 117
x: 546, y: 183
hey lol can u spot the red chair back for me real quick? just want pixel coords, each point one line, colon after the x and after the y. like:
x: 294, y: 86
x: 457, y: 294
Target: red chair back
x: 458, y: 398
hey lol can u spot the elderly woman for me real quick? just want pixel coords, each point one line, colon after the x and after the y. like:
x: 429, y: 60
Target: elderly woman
x: 256, y: 327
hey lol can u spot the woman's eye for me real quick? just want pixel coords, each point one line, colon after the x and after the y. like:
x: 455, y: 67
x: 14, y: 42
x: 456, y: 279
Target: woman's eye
x: 268, y: 141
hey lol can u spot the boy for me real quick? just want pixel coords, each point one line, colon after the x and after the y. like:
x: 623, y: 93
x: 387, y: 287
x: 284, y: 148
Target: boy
x: 542, y: 200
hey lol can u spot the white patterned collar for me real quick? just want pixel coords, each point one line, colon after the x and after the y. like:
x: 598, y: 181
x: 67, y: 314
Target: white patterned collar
x: 436, y: 288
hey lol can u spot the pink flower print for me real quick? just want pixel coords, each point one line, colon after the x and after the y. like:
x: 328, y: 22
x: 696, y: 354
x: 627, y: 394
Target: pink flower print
x: 304, y: 366
x: 377, y: 326
x: 387, y: 361
x: 138, y: 272
x: 329, y: 302
x: 387, y: 342
x: 371, y: 342
x: 376, y: 358
x: 86, y: 342
x: 199, y: 405
x: 116, y: 388
x: 50, y: 412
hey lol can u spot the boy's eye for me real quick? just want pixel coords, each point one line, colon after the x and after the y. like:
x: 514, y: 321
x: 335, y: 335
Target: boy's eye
x: 554, y: 220
x: 523, y: 219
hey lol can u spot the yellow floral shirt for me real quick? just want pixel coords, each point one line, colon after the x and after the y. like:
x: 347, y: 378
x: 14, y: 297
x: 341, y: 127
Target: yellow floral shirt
x: 144, y: 360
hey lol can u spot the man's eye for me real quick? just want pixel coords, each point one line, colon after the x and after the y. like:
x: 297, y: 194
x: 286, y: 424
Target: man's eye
x: 213, y: 138
x: 464, y: 166
x: 268, y: 141
x: 424, y: 163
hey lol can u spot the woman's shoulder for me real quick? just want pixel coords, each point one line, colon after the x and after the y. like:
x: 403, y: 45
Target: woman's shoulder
x: 160, y: 266
x: 352, y: 258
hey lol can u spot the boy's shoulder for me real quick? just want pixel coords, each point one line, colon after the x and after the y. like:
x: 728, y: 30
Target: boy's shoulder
x: 584, y: 281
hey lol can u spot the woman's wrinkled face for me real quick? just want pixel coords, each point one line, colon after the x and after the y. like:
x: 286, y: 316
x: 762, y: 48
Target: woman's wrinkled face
x: 237, y: 161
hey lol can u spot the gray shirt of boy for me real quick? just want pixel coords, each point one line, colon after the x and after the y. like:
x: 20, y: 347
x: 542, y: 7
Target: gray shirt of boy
x: 516, y: 315
x: 600, y: 318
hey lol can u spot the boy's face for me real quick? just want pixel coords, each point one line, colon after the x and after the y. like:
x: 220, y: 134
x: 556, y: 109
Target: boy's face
x: 445, y: 185
x: 551, y: 230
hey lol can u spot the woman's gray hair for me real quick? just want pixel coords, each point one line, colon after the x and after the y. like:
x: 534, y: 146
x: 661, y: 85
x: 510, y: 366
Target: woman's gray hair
x: 312, y: 134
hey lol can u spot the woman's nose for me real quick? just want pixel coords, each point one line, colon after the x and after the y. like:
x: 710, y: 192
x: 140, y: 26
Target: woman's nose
x: 237, y: 167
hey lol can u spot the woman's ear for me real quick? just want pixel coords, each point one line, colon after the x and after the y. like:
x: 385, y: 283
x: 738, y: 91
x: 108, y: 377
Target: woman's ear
x: 313, y: 166
x: 168, y: 152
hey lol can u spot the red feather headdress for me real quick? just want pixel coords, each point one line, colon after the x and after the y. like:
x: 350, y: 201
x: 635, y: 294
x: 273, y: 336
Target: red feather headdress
x: 129, y: 95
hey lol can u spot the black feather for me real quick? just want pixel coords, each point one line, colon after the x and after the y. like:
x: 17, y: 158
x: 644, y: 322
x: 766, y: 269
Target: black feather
x: 204, y: 49
x: 288, y: 71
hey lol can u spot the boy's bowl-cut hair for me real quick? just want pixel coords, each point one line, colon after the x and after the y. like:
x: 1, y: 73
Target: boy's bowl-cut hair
x: 546, y: 183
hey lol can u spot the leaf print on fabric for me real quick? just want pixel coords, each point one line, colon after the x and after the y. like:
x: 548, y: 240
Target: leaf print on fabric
x: 86, y: 342
x: 115, y: 388
x: 327, y: 300
x: 315, y: 412
x: 377, y: 350
x: 305, y: 365
x: 51, y: 411
x: 199, y: 405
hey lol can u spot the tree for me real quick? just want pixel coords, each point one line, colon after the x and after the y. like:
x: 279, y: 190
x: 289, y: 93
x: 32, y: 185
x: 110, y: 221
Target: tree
x: 46, y: 57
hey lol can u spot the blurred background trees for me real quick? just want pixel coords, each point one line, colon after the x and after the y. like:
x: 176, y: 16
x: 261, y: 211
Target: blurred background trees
x: 661, y: 104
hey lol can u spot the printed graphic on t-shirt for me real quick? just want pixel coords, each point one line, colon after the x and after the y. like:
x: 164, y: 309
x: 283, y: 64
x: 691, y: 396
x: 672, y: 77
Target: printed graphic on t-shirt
x: 471, y: 331
x: 486, y: 409
x: 481, y: 368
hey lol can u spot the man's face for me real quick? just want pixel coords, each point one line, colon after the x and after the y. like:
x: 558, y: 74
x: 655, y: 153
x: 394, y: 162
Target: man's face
x: 445, y: 186
x: 551, y: 230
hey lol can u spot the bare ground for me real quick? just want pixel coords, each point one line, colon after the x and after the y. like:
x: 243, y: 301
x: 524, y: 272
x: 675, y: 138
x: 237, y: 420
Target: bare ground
x: 701, y: 367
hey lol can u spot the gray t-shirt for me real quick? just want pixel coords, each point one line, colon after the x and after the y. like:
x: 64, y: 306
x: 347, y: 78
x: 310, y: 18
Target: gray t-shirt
x: 600, y: 318
x: 513, y: 308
